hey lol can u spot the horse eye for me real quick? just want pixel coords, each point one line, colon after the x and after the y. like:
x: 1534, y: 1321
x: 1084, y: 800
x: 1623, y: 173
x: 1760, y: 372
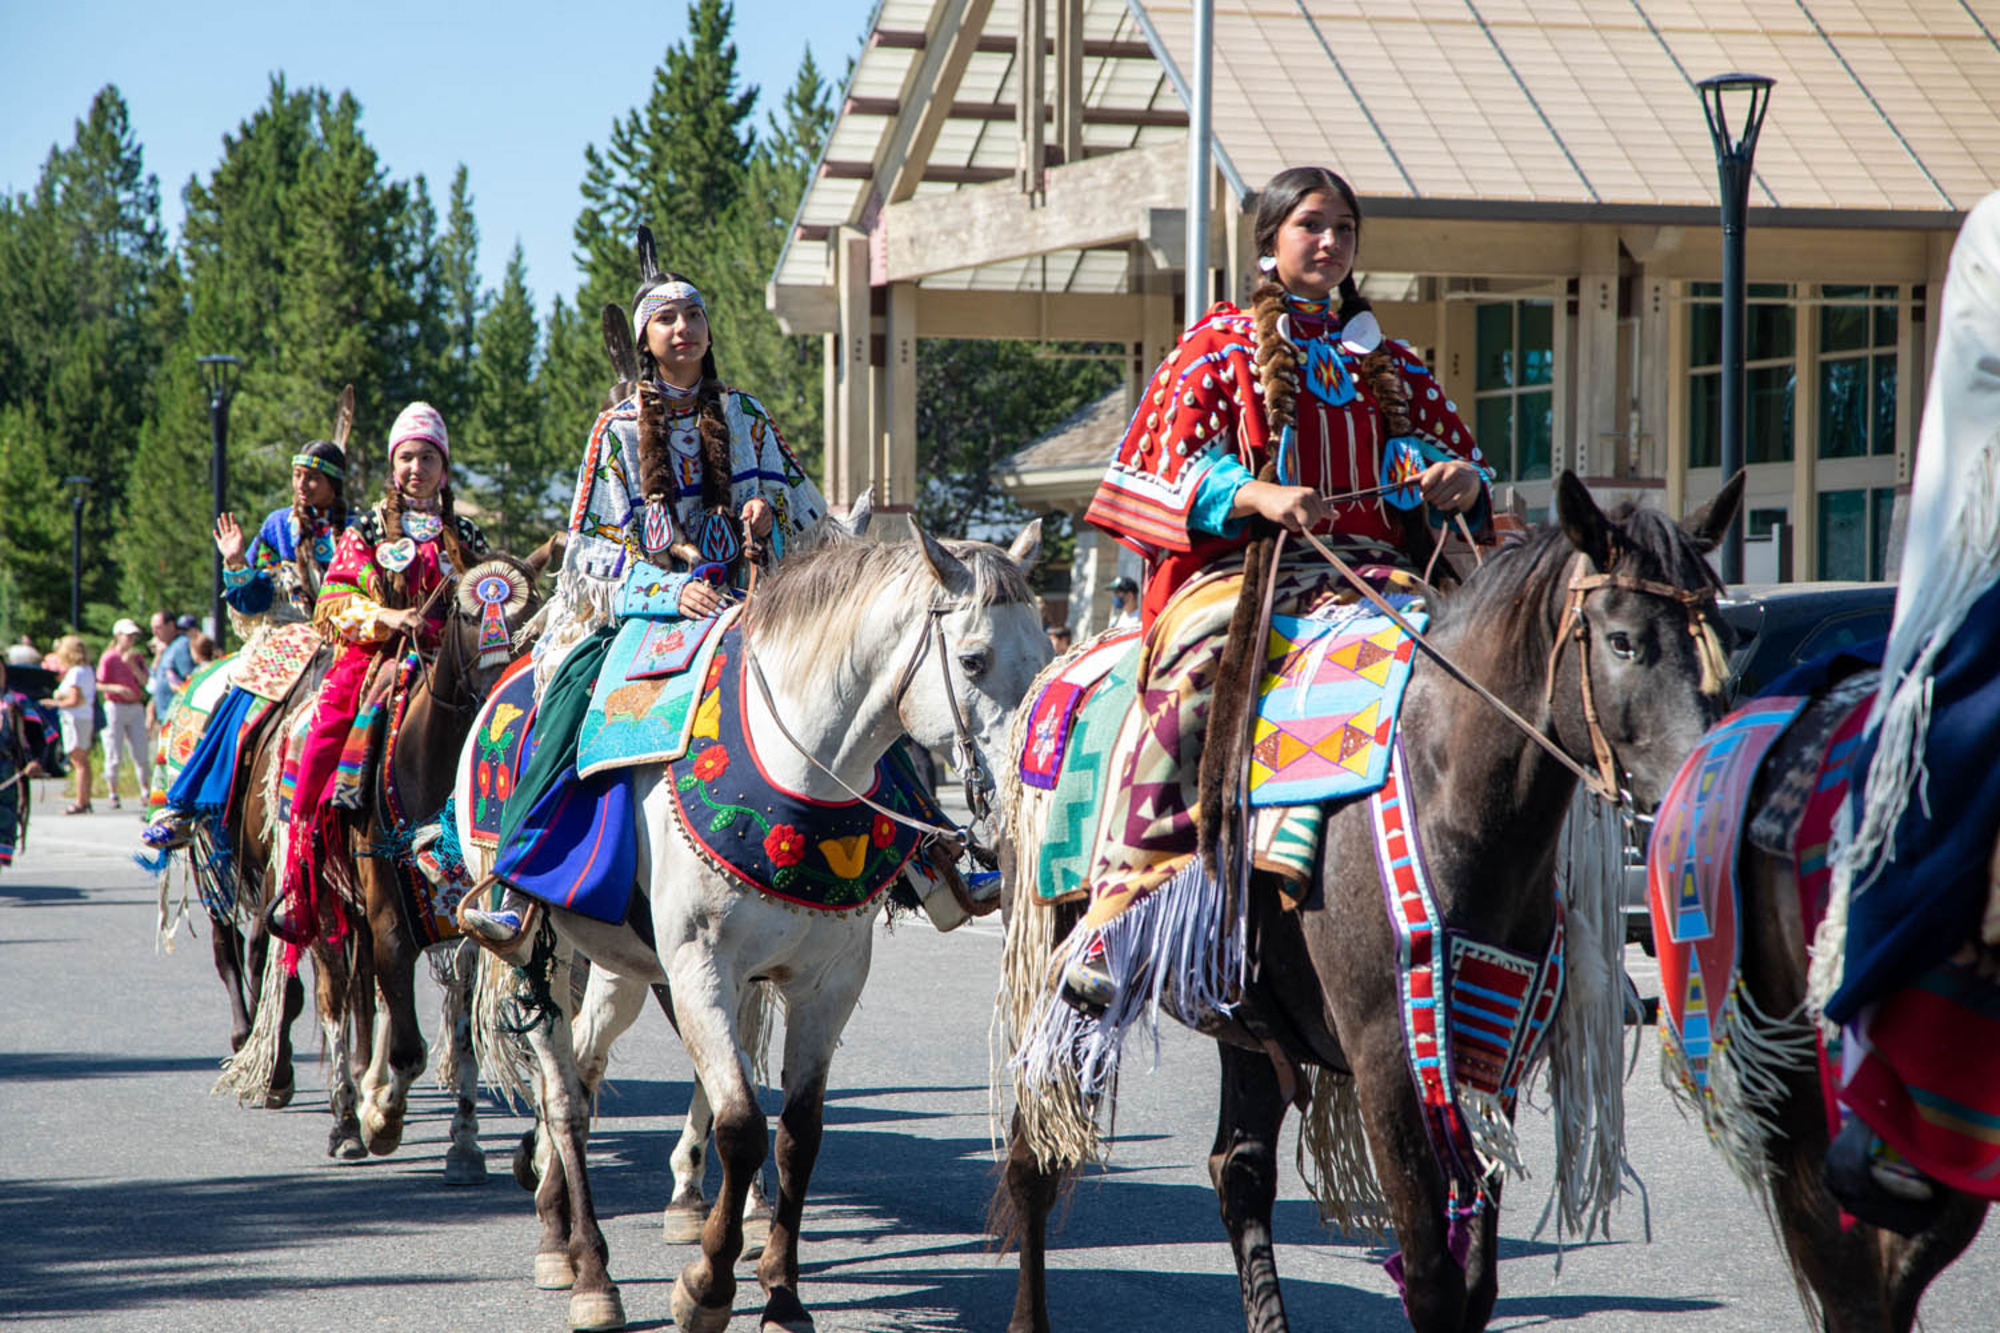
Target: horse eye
x: 1621, y: 644
x: 972, y: 664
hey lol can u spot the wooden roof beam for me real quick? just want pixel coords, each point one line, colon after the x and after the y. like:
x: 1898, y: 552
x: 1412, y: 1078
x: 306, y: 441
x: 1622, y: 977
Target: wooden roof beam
x: 1098, y: 201
x: 1095, y: 48
x: 939, y: 72
x: 839, y: 170
x: 1161, y: 117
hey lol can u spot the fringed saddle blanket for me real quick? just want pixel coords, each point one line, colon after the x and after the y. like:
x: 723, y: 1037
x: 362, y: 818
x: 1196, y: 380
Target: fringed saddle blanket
x: 1474, y: 1014
x: 642, y: 710
x: 828, y: 856
x: 272, y: 662
x: 1117, y: 736
x: 1692, y: 891
x: 196, y: 700
x: 503, y: 740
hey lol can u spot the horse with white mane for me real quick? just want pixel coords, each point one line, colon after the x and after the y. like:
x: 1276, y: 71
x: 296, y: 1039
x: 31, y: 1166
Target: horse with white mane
x: 843, y: 651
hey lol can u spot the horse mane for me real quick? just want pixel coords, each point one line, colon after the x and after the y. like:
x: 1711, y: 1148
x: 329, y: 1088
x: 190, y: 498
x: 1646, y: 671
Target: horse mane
x: 1516, y: 596
x: 813, y: 604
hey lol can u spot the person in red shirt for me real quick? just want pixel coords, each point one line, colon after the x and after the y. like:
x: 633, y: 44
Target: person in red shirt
x: 121, y: 679
x: 1295, y: 411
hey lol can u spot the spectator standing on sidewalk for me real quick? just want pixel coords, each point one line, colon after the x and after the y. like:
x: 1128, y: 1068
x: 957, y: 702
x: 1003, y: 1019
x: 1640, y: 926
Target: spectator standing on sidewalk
x: 121, y: 678
x: 173, y: 663
x: 76, y: 700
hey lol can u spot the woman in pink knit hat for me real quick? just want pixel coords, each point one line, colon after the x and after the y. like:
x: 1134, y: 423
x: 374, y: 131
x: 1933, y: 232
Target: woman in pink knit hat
x: 375, y: 604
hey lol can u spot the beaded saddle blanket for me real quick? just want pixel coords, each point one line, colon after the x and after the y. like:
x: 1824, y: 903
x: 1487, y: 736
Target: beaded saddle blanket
x: 827, y: 856
x: 643, y: 708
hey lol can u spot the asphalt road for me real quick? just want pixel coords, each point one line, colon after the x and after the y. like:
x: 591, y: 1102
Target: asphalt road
x: 132, y: 1199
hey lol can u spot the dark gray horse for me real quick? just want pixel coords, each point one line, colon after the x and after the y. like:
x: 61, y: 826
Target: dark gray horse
x: 1490, y: 808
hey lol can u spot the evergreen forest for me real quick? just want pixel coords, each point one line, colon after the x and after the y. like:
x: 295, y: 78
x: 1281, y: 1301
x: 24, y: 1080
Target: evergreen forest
x: 301, y: 255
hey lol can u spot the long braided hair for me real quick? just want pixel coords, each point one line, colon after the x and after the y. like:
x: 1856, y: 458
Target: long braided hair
x: 304, y: 563
x: 656, y: 467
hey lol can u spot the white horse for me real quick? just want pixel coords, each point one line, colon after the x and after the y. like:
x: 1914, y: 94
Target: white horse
x: 860, y: 644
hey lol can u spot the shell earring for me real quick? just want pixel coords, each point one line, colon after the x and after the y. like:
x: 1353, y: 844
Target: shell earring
x: 1268, y: 264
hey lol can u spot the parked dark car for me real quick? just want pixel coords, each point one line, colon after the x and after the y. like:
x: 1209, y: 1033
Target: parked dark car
x: 1777, y: 626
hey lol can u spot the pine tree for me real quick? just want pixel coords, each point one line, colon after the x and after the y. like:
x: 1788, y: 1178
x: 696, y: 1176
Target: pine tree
x: 304, y: 259
x: 88, y: 302
x: 511, y: 475
x: 452, y: 390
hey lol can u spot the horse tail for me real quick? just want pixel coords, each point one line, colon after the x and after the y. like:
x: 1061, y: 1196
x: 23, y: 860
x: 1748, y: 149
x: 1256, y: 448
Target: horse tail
x: 248, y: 1071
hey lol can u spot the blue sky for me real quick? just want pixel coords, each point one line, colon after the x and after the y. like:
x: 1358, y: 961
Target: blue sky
x: 514, y: 90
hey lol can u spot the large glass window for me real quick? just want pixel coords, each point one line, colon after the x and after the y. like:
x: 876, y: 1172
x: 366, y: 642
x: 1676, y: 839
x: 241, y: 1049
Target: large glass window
x: 1854, y: 532
x: 1770, y: 338
x: 1514, y: 407
x: 1857, y: 371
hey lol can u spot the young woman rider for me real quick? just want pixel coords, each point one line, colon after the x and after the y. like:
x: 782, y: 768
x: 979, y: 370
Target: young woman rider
x: 381, y: 592
x: 1296, y: 412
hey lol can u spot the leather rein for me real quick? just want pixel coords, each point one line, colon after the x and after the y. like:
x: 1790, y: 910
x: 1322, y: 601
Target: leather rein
x: 965, y: 750
x: 1604, y: 781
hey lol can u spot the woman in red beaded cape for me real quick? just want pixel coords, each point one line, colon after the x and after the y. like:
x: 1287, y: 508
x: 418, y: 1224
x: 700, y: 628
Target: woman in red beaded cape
x: 1262, y: 417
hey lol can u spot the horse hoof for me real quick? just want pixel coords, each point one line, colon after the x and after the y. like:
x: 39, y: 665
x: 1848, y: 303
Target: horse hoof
x: 784, y: 1314
x: 554, y: 1271
x: 382, y: 1135
x: 525, y: 1174
x: 682, y: 1223
x: 692, y: 1317
x: 596, y: 1310
x: 346, y: 1145
x: 756, y: 1232
x: 277, y: 1099
x: 465, y: 1168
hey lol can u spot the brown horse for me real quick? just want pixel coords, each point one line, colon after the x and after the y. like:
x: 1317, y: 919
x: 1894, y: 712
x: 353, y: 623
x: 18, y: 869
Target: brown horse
x: 1861, y: 1279
x: 386, y: 1058
x: 1322, y: 1000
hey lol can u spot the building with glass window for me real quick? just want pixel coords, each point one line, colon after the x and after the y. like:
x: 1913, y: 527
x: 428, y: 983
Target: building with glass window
x: 1540, y: 206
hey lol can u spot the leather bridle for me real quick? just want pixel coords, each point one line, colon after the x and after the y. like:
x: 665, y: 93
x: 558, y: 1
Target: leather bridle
x: 1604, y: 781
x: 965, y: 749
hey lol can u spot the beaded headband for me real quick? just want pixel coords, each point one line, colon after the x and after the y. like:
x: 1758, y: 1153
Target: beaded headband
x: 318, y: 464
x: 649, y: 304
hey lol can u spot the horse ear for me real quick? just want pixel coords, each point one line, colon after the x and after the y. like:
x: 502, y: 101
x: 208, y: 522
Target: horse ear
x: 1588, y: 530
x: 343, y: 417
x: 649, y: 264
x: 1027, y: 548
x: 618, y: 344
x: 548, y: 552
x: 861, y: 512
x: 1709, y: 524
x: 949, y: 570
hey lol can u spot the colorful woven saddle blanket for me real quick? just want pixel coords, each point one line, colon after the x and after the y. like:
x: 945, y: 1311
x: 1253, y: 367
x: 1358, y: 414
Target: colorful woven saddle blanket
x: 274, y: 660
x: 1333, y: 688
x: 642, y: 710
x: 1693, y: 893
x: 192, y: 706
x: 502, y: 740
x: 833, y: 857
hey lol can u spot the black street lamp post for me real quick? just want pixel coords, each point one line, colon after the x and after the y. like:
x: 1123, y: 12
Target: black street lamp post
x: 79, y: 487
x: 1735, y: 151
x: 219, y: 376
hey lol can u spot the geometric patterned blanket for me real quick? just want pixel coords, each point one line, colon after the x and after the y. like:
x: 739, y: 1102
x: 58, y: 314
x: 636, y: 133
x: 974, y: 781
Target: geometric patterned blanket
x: 1692, y: 891
x: 192, y: 705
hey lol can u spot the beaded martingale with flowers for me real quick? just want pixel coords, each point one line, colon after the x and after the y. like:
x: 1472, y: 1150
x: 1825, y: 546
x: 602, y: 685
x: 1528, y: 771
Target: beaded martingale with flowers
x: 829, y: 856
